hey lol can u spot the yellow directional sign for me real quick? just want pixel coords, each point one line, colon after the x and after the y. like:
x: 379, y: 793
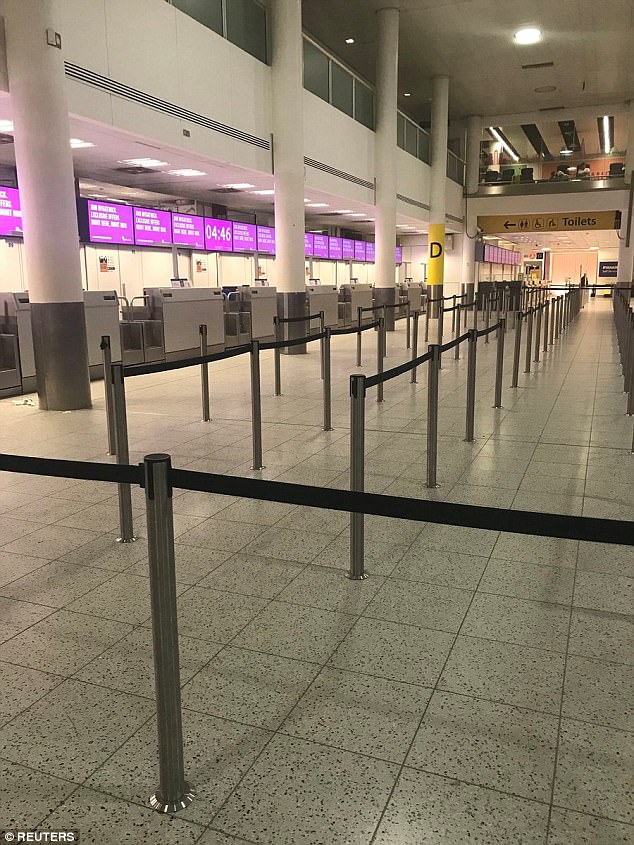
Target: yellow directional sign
x: 572, y: 221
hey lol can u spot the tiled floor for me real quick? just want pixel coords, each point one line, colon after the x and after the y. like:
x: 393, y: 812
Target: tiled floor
x: 477, y: 688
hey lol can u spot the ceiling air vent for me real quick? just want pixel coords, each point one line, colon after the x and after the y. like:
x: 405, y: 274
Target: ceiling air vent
x: 536, y: 65
x: 225, y: 191
x: 135, y: 170
x: 553, y: 108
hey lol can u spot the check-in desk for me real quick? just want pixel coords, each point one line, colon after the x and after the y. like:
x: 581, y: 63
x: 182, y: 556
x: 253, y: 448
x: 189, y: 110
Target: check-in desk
x: 351, y: 298
x: 237, y: 321
x: 10, y: 383
x: 414, y: 293
x: 261, y: 304
x: 324, y: 298
x: 101, y: 309
x: 15, y: 320
x: 180, y: 312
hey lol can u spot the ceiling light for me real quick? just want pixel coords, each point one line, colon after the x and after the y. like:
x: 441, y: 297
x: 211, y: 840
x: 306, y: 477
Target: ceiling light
x: 186, y: 171
x: 565, y: 152
x: 6, y: 126
x: 505, y: 145
x: 78, y: 144
x: 143, y: 162
x: 528, y: 35
x: 408, y: 94
x: 268, y: 193
x: 350, y: 40
x: 343, y: 211
x: 607, y: 142
x: 357, y: 214
x: 238, y: 186
x: 317, y: 205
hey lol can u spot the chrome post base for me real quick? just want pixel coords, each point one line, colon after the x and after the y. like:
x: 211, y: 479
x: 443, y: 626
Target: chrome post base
x: 157, y: 803
x: 351, y: 577
x: 131, y: 540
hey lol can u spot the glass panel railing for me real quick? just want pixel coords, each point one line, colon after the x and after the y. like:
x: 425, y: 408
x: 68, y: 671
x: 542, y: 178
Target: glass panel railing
x: 455, y: 167
x: 243, y: 22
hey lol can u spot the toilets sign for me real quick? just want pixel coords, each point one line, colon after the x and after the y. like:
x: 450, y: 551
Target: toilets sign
x: 571, y: 221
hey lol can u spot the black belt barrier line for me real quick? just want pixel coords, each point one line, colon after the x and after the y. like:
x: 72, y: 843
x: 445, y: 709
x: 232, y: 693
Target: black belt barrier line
x: 84, y: 470
x: 455, y: 342
x: 419, y: 510
x: 379, y: 378
x: 280, y: 344
x: 164, y: 366
x: 483, y: 332
x: 299, y: 319
x: 354, y: 329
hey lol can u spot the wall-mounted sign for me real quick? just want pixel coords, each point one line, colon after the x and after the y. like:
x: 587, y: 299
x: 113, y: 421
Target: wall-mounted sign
x: 110, y: 223
x: 245, y: 237
x: 608, y: 269
x: 152, y: 227
x: 572, y: 221
x: 10, y: 214
x: 188, y: 230
x: 266, y: 239
x: 218, y: 235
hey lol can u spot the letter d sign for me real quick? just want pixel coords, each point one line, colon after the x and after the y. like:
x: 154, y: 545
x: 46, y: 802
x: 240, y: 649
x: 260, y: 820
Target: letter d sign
x: 436, y: 259
x: 435, y: 249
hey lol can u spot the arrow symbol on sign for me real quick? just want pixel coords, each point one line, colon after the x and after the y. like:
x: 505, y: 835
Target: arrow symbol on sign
x: 509, y: 225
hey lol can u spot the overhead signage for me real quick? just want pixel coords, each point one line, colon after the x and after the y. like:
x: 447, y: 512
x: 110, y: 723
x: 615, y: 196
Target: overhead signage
x: 399, y: 255
x: 359, y: 250
x: 266, y: 240
x: 309, y: 244
x: 10, y: 213
x: 218, y: 235
x: 188, y: 230
x: 499, y: 255
x: 369, y: 251
x: 321, y: 246
x: 347, y: 249
x: 608, y: 269
x: 152, y: 227
x: 335, y: 249
x: 569, y: 222
x: 110, y: 223
x: 245, y: 238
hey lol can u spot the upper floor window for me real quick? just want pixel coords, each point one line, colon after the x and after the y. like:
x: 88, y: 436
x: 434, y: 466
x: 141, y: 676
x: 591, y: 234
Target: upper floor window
x: 243, y: 22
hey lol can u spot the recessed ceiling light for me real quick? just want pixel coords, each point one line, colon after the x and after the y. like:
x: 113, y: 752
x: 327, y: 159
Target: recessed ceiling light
x: 238, y: 186
x: 528, y: 35
x: 317, y: 205
x: 350, y: 40
x: 268, y: 193
x: 6, y: 126
x: 545, y: 89
x: 78, y: 144
x: 565, y: 152
x: 343, y: 211
x: 357, y: 214
x: 186, y: 171
x: 144, y: 162
x: 407, y: 94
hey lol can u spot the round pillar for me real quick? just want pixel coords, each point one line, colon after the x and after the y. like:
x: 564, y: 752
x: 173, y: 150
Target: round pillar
x: 625, y: 273
x: 438, y: 203
x: 474, y: 135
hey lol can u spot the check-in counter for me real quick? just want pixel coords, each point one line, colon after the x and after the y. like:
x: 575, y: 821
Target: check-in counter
x: 414, y: 293
x: 10, y: 383
x: 101, y: 309
x: 352, y: 297
x: 15, y: 319
x: 181, y: 312
x: 324, y: 298
x: 261, y: 304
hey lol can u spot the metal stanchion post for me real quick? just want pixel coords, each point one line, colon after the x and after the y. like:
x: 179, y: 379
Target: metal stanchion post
x: 256, y: 406
x: 518, y: 348
x: 433, y: 368
x: 538, y: 332
x: 557, y: 316
x: 499, y: 362
x: 440, y: 328
x: 475, y: 311
x: 472, y: 344
x: 359, y: 334
x: 357, y: 475
x: 453, y: 313
x: 322, y: 325
x: 546, y: 320
x: 427, y: 313
x: 107, y: 391
x: 173, y: 792
x: 529, y: 341
x: 553, y: 316
x: 414, y: 345
x: 123, y: 454
x: 380, y: 347
x: 277, y: 358
x: 408, y: 328
x: 457, y: 335
x: 204, y: 373
x: 382, y: 331
x: 487, y: 317
x: 327, y: 382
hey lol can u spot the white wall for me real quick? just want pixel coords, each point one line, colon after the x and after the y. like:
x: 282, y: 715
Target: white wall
x: 568, y: 266
x: 12, y: 266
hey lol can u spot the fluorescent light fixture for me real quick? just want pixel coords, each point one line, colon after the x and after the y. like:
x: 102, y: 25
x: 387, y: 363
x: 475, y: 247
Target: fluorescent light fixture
x: 357, y: 214
x: 6, y: 126
x: 505, y: 146
x: 343, y: 211
x: 607, y: 141
x: 238, y: 186
x: 407, y: 94
x: 528, y: 35
x: 350, y: 40
x: 565, y: 152
x: 78, y: 144
x: 317, y: 205
x: 143, y: 162
x: 268, y: 193
x: 186, y: 171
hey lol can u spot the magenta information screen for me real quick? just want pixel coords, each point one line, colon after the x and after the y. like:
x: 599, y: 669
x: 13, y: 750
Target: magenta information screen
x: 152, y: 227
x: 188, y: 230
x: 321, y: 246
x: 266, y: 239
x: 359, y: 250
x: 399, y: 255
x: 245, y: 237
x: 110, y: 223
x: 10, y: 214
x: 369, y: 252
x: 347, y: 248
x: 335, y: 248
x: 218, y: 235
x: 309, y: 244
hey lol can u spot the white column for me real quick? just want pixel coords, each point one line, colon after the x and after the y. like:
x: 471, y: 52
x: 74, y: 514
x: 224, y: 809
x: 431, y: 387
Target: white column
x: 625, y: 275
x: 385, y: 145
x: 47, y: 194
x: 288, y: 143
x: 474, y: 134
x: 439, y: 133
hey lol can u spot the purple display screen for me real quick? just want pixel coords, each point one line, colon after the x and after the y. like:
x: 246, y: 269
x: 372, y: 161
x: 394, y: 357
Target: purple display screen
x: 309, y: 244
x: 245, y: 237
x: 369, y: 252
x: 335, y: 248
x: 152, y: 227
x: 10, y: 214
x: 110, y: 223
x: 188, y: 230
x: 321, y: 246
x: 266, y: 239
x: 218, y: 235
x: 359, y: 250
x: 399, y: 254
x: 347, y: 248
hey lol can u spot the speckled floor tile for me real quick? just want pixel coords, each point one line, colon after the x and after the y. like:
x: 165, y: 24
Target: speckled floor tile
x: 12, y: 530
x: 105, y: 553
x: 567, y: 828
x: 284, y: 544
x: 252, y: 575
x: 73, y: 729
x: 213, y: 837
x: 221, y: 534
x: 436, y: 566
x: 532, y: 623
x: 380, y: 558
x: 257, y: 512
x: 193, y: 503
x: 300, y: 792
x: 604, y: 636
x: 14, y: 566
x: 47, y: 510
x: 394, y: 651
x: 217, y: 754
x: 62, y: 642
x: 321, y: 586
x: 316, y: 520
x: 599, y: 692
x: 104, y: 820
x: 427, y: 809
x: 248, y: 686
x: 33, y: 796
x: 600, y: 591
x: 456, y: 539
x: 522, y: 580
x: 214, y: 615
x: 123, y: 598
x: 51, y: 542
x: 602, y: 557
x: 594, y: 771
x: 56, y: 584
x: 192, y: 563
x: 545, y: 550
x: 17, y: 616
x: 511, y: 674
x: 489, y: 744
x: 426, y: 605
x: 20, y: 687
x: 303, y: 633
x: 359, y: 713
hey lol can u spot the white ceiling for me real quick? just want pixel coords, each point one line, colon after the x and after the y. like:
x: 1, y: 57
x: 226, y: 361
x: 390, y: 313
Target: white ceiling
x: 560, y: 241
x: 471, y: 41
